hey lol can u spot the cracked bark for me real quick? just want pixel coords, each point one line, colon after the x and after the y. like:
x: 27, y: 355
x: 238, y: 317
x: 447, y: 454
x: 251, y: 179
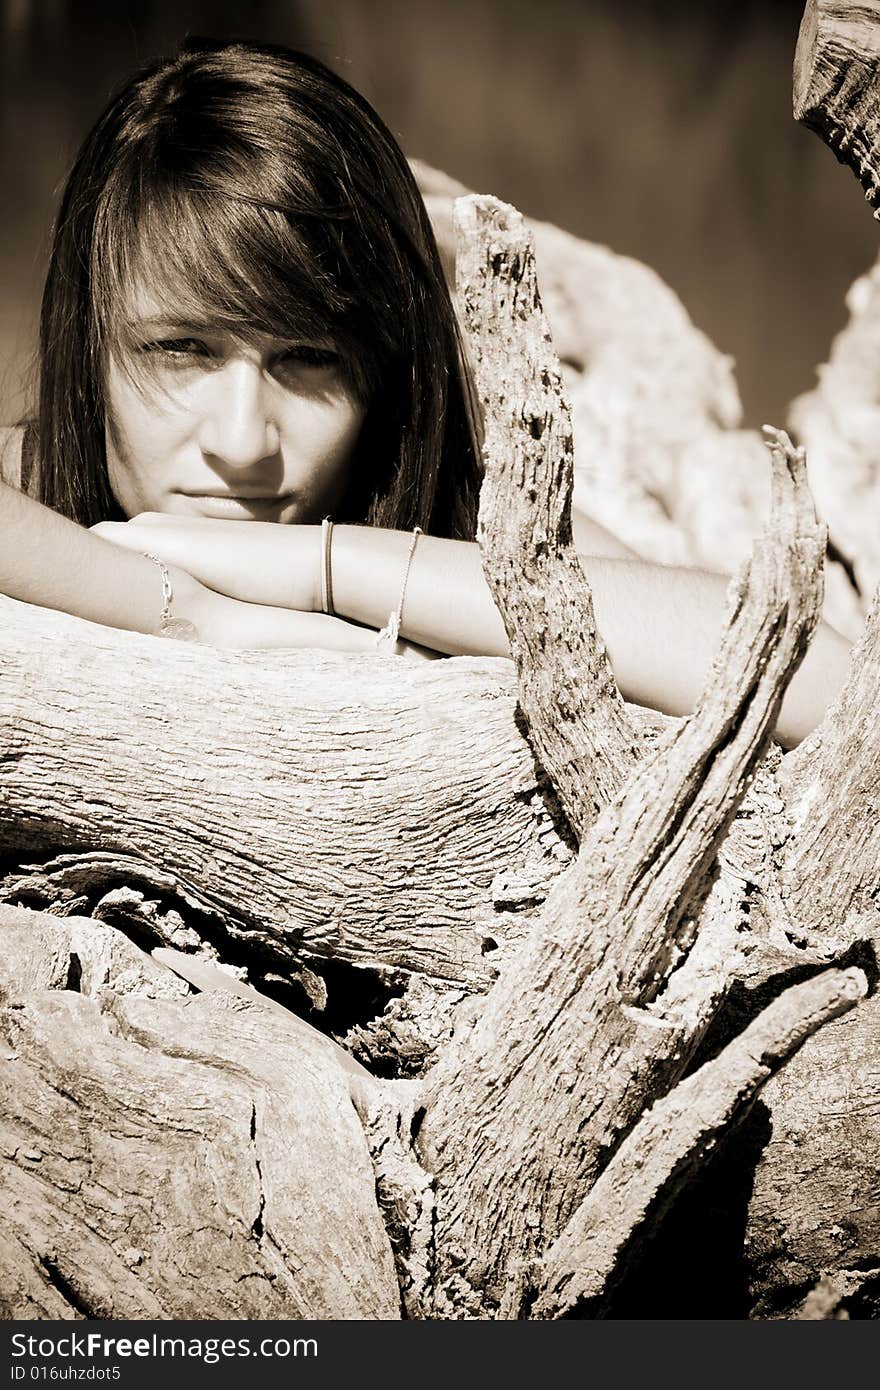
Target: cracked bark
x: 836, y: 86
x: 672, y: 1139
x: 567, y: 691
x: 177, y: 1158
x: 380, y: 851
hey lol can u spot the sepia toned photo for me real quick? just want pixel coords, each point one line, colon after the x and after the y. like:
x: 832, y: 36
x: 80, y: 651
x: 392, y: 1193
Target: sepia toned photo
x: 439, y: 753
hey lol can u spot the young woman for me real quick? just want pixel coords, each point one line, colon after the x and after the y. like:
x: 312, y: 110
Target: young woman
x: 246, y: 329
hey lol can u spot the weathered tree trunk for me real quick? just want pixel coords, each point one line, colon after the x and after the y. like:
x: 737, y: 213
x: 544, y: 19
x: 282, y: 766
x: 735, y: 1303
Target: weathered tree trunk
x: 332, y: 807
x: 623, y: 920
x: 167, y: 1157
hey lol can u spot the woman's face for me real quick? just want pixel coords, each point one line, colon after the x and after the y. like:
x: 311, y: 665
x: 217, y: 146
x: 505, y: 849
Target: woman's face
x: 200, y: 424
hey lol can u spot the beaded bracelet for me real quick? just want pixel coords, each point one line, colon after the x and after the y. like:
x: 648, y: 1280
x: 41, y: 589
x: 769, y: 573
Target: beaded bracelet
x: 169, y: 626
x: 387, y: 638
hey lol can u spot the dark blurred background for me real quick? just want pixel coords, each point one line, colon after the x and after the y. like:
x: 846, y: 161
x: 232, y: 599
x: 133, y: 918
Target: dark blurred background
x: 663, y: 130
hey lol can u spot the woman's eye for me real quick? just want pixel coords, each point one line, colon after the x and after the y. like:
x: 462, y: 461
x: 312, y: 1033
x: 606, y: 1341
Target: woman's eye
x: 307, y: 355
x: 176, y: 349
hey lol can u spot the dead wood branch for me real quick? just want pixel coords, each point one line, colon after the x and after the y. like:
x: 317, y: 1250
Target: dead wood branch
x: 40, y: 951
x: 836, y: 84
x: 404, y: 1191
x: 576, y: 716
x: 571, y: 1045
x: 658, y: 459
x: 674, y: 1138
x: 814, y: 1205
x: 830, y: 877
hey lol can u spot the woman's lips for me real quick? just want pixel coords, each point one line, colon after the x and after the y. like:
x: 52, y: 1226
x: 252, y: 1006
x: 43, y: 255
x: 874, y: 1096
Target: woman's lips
x: 239, y: 508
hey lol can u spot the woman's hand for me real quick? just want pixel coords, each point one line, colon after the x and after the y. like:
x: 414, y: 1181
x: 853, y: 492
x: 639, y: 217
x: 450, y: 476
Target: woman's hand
x: 257, y: 562
x: 221, y: 621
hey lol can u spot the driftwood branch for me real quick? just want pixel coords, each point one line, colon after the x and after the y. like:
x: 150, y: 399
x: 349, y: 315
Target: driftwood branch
x: 575, y: 713
x: 814, y: 1195
x: 674, y: 1138
x: 521, y: 1132
x: 830, y: 781
x: 836, y: 84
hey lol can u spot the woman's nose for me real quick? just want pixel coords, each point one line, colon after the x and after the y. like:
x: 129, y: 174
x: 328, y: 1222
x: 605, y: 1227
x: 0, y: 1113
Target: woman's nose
x: 235, y: 422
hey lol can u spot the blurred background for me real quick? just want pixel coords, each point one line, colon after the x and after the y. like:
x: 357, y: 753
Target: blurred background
x: 663, y: 131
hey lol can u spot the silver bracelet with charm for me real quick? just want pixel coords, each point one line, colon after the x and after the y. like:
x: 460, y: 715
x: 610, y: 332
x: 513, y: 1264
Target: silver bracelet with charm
x: 180, y: 629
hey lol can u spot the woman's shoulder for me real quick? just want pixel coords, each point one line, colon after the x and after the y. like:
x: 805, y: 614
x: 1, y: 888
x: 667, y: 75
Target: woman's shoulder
x: 11, y: 439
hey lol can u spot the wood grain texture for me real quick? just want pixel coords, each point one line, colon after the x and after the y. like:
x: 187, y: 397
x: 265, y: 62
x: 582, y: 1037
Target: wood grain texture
x: 836, y: 86
x: 814, y: 1207
x: 174, y: 1158
x: 42, y: 951
x: 574, y: 1040
x: 325, y: 807
x: 575, y: 712
x: 658, y: 456
x: 673, y: 1139
x: 830, y: 871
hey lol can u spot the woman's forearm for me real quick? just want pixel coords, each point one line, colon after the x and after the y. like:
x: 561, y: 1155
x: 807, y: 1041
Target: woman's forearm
x: 661, y: 624
x: 50, y: 561
x: 662, y: 627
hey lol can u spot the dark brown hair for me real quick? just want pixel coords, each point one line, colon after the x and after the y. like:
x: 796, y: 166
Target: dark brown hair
x: 251, y: 185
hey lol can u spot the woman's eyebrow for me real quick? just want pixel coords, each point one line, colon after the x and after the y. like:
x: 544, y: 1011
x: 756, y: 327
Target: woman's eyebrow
x: 166, y: 324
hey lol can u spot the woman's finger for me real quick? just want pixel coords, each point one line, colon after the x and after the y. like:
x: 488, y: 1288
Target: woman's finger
x: 119, y: 532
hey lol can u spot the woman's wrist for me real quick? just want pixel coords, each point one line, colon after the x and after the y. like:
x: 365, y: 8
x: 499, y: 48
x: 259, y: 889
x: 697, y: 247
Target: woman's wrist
x: 448, y: 607
x: 186, y: 604
x: 306, y: 568
x: 367, y: 568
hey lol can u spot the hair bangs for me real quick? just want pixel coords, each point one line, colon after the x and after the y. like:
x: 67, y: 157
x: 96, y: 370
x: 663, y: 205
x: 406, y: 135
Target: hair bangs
x: 202, y: 258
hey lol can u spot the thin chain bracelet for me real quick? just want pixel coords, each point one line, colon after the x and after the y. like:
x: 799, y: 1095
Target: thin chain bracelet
x: 179, y: 628
x: 388, y: 636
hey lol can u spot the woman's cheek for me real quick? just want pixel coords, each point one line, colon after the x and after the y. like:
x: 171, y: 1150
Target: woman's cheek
x: 130, y: 477
x: 324, y: 439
